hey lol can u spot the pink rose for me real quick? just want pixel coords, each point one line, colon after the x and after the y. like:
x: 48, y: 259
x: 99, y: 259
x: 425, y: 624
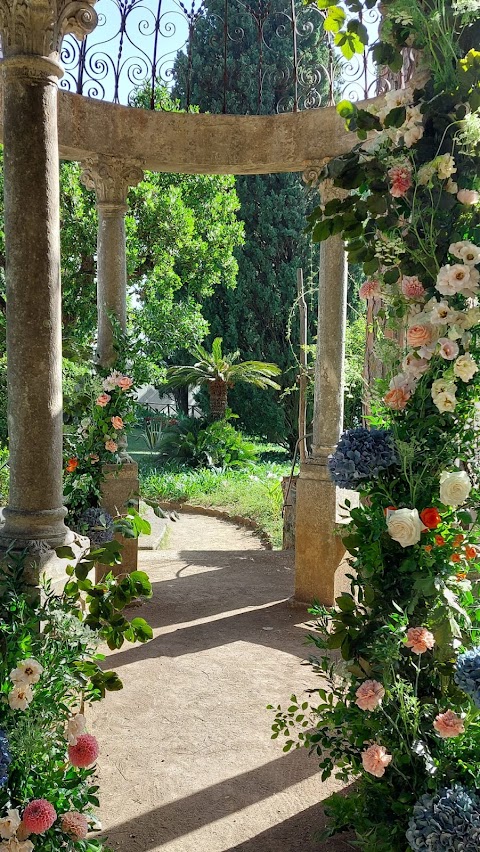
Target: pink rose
x: 412, y: 287
x: 448, y: 724
x: 448, y: 348
x: 414, y: 365
x: 369, y: 288
x: 117, y: 422
x: 124, y: 382
x: 103, y: 399
x: 369, y: 695
x: 401, y: 180
x: 419, y: 640
x: 375, y: 760
x: 468, y: 196
x: 111, y: 446
x: 420, y: 335
x: 397, y: 398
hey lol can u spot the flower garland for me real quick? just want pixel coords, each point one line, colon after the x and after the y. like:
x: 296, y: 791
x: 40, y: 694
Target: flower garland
x: 401, y: 714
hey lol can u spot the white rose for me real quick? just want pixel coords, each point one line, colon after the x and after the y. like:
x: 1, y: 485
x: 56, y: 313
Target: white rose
x: 466, y: 251
x: 465, y: 367
x: 405, y: 526
x: 453, y: 279
x: 451, y: 186
x: 454, y: 487
x: 9, y: 824
x: 445, y: 401
x: 443, y: 386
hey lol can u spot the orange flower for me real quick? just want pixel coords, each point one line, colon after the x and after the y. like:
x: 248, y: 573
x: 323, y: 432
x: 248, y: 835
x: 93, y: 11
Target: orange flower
x: 430, y: 518
x: 439, y: 540
x: 389, y: 509
x: 458, y: 539
x: 471, y: 552
x: 455, y: 557
x: 428, y: 547
x: 72, y: 465
x: 461, y: 576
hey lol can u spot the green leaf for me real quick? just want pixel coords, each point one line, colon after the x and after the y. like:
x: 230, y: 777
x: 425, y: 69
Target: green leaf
x: 396, y: 117
x: 65, y: 552
x: 334, y: 20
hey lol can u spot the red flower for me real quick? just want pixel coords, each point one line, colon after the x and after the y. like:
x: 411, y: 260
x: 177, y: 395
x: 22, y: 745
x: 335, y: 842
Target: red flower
x: 430, y: 518
x: 85, y: 751
x: 439, y: 540
x: 458, y: 540
x: 455, y: 557
x: 72, y: 465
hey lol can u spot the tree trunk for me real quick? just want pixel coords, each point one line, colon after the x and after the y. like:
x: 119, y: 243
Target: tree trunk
x: 218, y: 399
x: 181, y: 399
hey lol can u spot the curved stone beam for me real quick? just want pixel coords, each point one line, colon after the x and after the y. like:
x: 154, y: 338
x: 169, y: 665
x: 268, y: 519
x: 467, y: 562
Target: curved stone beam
x: 200, y: 143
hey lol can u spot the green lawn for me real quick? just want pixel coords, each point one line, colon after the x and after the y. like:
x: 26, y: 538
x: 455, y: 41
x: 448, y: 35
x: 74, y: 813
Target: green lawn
x: 254, y: 493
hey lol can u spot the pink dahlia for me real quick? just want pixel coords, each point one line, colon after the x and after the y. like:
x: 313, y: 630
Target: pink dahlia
x: 376, y: 759
x: 85, y: 751
x: 38, y: 816
x: 369, y: 695
x: 369, y: 288
x: 419, y: 640
x: 412, y: 287
x: 75, y: 825
x: 401, y: 180
x: 448, y: 724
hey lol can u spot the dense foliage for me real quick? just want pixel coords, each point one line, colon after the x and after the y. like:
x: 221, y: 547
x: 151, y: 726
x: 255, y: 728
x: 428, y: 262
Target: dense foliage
x: 254, y: 316
x: 401, y: 712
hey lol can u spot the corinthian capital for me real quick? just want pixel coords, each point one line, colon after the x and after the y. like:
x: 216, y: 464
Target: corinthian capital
x: 37, y: 27
x: 111, y: 178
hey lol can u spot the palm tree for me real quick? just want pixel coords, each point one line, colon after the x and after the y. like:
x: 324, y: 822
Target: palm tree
x: 221, y: 372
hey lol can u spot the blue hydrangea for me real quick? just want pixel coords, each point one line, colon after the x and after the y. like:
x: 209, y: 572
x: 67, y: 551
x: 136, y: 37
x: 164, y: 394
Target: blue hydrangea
x: 360, y: 456
x: 5, y: 758
x: 448, y: 821
x: 467, y: 674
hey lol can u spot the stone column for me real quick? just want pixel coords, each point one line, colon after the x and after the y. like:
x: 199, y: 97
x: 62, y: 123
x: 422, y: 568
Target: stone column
x: 111, y: 179
x: 318, y: 550
x: 31, y: 35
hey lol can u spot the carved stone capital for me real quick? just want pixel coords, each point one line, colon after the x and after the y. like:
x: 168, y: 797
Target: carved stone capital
x: 328, y: 191
x: 311, y: 176
x: 37, y: 27
x: 111, y: 178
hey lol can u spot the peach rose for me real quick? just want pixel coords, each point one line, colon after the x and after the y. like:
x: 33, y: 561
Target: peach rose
x: 420, y: 335
x: 117, y: 422
x: 124, y: 382
x: 397, y: 398
x: 111, y: 446
x: 419, y: 640
x: 369, y: 695
x: 448, y: 724
x: 375, y: 760
x: 103, y: 399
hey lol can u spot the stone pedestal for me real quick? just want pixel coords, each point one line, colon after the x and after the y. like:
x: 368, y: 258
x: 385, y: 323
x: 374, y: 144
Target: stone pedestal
x: 318, y: 550
x: 120, y: 488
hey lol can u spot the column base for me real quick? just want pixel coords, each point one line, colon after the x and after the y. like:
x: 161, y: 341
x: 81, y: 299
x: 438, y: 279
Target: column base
x: 41, y: 561
x: 25, y: 529
x: 319, y: 551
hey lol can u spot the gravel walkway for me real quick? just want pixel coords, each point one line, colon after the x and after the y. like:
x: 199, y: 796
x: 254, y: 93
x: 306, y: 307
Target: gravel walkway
x: 187, y: 763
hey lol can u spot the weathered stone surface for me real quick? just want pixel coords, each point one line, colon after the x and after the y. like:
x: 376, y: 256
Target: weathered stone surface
x: 38, y: 28
x: 119, y: 489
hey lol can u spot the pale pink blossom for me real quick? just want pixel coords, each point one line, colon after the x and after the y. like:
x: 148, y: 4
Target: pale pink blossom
x: 466, y: 251
x: 441, y: 313
x: 448, y: 724
x: 419, y: 640
x: 9, y: 824
x: 75, y: 825
x: 415, y: 365
x: 369, y: 288
x: 111, y: 446
x: 103, y: 399
x: 111, y: 381
x: 448, y: 348
x: 459, y: 278
x: 27, y: 671
x: 420, y: 334
x: 369, y: 695
x: 412, y: 287
x: 75, y: 728
x: 401, y: 180
x: 468, y: 196
x: 375, y: 760
x: 16, y: 845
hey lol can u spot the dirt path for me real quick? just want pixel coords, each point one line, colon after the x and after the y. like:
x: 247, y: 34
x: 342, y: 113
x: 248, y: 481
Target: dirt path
x: 187, y: 763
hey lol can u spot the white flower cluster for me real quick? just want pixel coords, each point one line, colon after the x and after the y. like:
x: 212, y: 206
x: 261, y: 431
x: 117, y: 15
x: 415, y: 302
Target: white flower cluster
x: 26, y: 674
x: 9, y: 826
x: 412, y: 128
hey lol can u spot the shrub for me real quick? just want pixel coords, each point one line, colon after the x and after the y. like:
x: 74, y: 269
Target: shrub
x: 195, y: 443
